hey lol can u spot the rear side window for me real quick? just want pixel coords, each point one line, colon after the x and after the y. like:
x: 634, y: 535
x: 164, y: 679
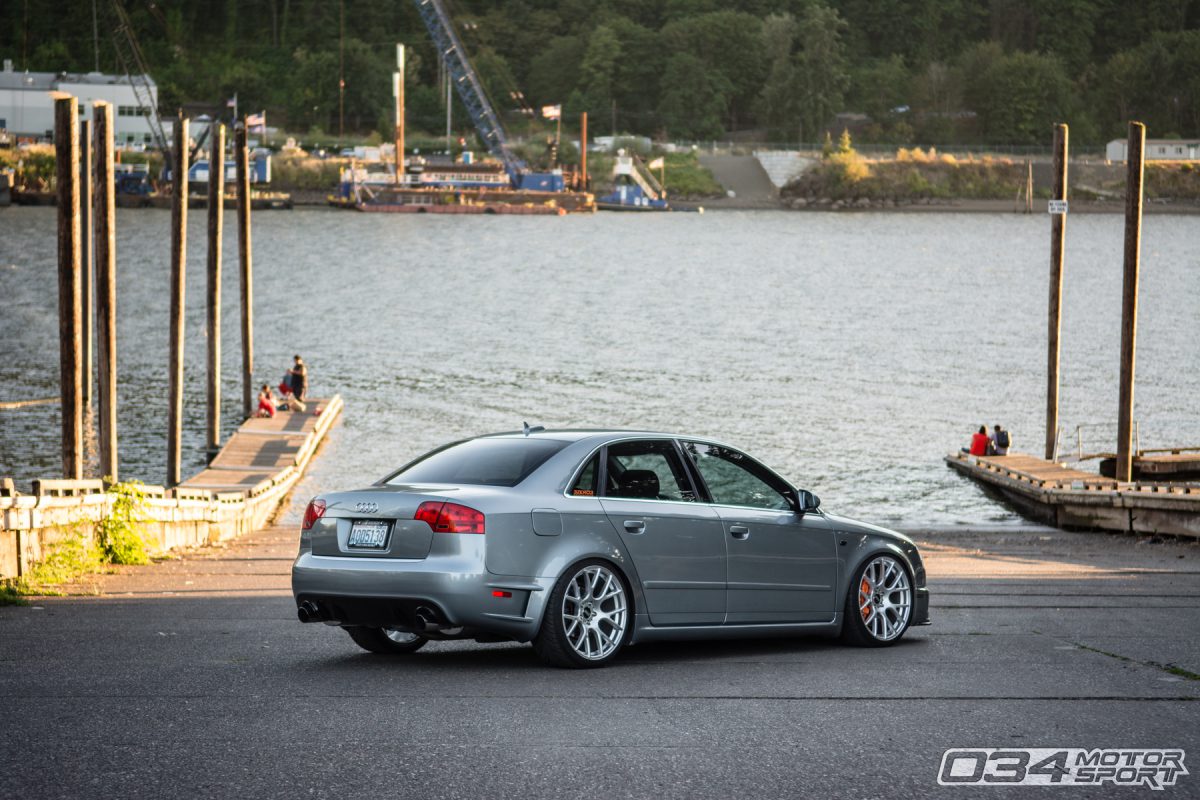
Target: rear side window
x: 480, y: 462
x: 585, y: 486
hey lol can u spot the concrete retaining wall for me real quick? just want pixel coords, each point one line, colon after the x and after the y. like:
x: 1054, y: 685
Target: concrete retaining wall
x: 32, y: 524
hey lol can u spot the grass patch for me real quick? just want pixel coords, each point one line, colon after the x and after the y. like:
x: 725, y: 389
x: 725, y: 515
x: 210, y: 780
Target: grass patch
x: 686, y: 178
x: 9, y: 596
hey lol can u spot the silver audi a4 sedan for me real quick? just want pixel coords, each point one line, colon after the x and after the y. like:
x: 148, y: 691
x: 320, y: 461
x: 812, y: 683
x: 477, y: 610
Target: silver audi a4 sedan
x: 583, y: 542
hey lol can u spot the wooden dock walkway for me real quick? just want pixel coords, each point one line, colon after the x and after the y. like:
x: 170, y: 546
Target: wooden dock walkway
x: 1055, y: 494
x: 262, y: 448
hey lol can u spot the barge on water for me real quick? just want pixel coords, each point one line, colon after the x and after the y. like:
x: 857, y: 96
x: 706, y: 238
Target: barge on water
x: 475, y: 188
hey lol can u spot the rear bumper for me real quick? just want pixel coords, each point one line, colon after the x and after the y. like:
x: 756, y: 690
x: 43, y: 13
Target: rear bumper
x: 921, y: 607
x: 379, y: 592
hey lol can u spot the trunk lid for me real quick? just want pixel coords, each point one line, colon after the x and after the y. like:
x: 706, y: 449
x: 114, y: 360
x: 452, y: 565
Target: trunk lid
x: 375, y: 523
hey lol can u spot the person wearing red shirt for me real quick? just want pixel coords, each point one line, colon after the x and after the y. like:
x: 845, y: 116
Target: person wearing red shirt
x: 979, y: 442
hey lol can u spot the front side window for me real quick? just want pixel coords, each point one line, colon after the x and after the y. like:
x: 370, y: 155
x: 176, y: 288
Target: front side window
x: 483, y: 462
x: 735, y: 479
x: 647, y: 470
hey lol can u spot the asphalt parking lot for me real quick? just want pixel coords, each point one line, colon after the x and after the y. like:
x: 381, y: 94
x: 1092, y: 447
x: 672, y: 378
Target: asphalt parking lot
x: 192, y: 678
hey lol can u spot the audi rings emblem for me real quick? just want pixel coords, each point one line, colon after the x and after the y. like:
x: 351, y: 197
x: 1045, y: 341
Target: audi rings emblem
x: 366, y: 508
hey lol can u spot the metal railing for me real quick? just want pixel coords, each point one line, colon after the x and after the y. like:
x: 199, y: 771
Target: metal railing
x: 1109, y: 427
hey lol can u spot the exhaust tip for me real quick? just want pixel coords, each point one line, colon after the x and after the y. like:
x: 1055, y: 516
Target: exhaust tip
x: 308, y: 612
x: 425, y: 617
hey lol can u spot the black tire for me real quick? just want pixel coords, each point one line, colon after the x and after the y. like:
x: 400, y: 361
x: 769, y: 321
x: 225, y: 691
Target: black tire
x: 552, y: 643
x: 855, y: 630
x: 376, y: 640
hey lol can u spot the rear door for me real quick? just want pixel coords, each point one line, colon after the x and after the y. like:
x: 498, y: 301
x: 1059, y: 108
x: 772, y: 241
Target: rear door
x: 782, y: 564
x: 677, y: 543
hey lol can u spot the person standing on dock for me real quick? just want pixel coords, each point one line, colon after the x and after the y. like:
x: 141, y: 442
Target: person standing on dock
x: 1001, y: 441
x: 299, y: 374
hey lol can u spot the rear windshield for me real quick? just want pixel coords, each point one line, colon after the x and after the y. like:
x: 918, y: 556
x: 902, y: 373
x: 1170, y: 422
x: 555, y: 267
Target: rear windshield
x: 481, y: 462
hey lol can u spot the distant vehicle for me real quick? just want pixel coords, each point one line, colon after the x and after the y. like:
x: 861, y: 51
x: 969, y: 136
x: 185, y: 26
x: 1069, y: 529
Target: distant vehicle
x: 583, y: 542
x: 347, y: 152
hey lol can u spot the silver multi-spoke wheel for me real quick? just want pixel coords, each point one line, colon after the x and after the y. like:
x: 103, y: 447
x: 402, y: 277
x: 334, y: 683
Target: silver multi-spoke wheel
x: 400, y: 637
x: 595, y: 612
x: 884, y: 598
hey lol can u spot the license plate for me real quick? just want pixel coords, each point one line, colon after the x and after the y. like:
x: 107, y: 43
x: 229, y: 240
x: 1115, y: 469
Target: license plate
x: 369, y: 533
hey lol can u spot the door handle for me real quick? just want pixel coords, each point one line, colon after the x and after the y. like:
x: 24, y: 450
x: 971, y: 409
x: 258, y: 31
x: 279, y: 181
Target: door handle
x: 739, y: 531
x: 635, y: 525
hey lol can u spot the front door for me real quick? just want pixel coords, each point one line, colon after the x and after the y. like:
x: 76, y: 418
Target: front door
x: 677, y: 543
x: 782, y: 564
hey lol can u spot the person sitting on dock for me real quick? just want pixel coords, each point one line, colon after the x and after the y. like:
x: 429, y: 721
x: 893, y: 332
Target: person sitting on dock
x: 980, y: 443
x: 1001, y: 441
x: 266, y: 402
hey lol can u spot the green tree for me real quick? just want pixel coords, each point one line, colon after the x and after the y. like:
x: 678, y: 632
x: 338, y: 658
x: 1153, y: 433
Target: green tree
x: 598, y: 72
x: 694, y: 98
x: 879, y: 86
x: 555, y: 70
x: 728, y: 43
x: 821, y: 67
x: 1017, y: 97
x: 778, y: 101
x: 1157, y: 83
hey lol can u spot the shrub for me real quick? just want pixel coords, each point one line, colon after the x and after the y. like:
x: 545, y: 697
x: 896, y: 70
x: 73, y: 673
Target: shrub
x: 119, y: 533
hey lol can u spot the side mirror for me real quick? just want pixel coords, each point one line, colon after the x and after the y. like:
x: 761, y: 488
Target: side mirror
x: 807, y: 501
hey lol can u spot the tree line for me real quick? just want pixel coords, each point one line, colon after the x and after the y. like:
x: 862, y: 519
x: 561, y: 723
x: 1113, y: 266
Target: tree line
x: 897, y: 71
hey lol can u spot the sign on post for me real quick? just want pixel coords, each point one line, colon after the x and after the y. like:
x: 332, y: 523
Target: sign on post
x: 1057, y: 207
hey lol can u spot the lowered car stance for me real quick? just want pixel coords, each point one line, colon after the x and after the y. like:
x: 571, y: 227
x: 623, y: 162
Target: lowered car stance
x: 585, y: 542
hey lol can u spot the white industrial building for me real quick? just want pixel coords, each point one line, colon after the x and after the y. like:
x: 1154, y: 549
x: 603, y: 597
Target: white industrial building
x: 27, y: 103
x: 1157, y: 150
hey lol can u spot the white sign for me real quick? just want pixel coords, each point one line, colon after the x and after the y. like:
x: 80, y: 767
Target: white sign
x: 1057, y: 207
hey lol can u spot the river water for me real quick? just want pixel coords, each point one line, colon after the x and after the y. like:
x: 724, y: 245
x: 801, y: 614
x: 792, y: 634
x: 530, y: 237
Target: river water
x: 849, y: 351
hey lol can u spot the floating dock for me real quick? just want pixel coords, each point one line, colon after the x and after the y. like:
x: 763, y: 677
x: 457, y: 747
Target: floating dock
x: 1056, y: 494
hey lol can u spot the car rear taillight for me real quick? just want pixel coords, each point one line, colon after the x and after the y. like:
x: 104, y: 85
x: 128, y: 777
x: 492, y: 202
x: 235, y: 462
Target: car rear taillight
x: 315, y: 510
x: 450, y: 517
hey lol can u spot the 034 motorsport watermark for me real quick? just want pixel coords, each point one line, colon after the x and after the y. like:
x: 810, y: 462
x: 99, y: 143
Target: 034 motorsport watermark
x: 1066, y: 766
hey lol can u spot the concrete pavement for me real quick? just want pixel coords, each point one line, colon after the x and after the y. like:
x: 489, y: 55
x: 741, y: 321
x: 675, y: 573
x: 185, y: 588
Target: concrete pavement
x: 192, y: 678
x: 745, y: 177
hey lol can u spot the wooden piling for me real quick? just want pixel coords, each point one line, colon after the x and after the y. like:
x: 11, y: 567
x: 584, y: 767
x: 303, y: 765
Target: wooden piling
x: 1058, y: 229
x: 399, y: 91
x: 1129, y: 296
x: 216, y: 220
x: 583, y: 149
x: 86, y: 290
x: 1029, y: 186
x: 179, y: 201
x: 70, y: 312
x: 106, y: 288
x: 245, y: 267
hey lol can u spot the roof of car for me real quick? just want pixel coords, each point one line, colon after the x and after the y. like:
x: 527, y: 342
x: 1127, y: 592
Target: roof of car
x: 577, y: 434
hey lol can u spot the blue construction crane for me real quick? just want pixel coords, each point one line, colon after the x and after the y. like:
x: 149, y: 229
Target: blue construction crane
x: 470, y: 91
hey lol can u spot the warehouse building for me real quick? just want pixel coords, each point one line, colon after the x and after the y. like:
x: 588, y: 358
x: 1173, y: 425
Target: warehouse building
x: 1157, y: 150
x: 27, y: 103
